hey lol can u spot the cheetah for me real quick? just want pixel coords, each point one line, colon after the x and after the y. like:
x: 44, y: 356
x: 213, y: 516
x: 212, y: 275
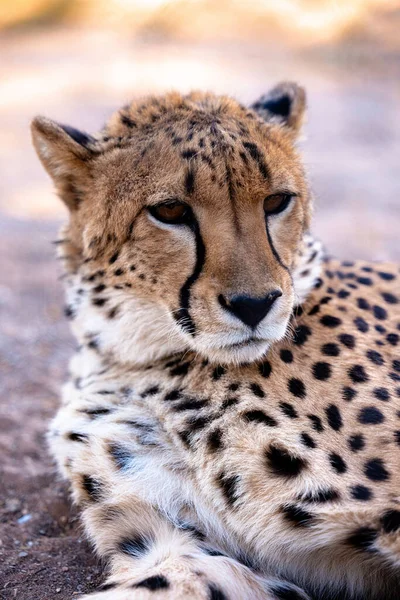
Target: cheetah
x: 231, y: 425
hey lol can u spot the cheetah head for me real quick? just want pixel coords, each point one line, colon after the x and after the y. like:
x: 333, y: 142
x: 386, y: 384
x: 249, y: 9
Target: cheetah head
x: 187, y: 224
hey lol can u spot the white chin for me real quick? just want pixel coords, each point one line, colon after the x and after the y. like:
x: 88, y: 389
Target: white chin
x: 248, y: 353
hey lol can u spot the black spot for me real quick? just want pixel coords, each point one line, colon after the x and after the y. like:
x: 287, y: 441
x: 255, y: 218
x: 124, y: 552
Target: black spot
x: 347, y: 340
x: 188, y: 154
x: 257, y: 156
x: 375, y: 357
x: 334, y: 417
x: 181, y: 369
x: 113, y: 258
x: 363, y: 304
x: 121, y: 455
x: 284, y: 464
x: 190, y: 404
x: 396, y: 365
x: 382, y: 394
x: 283, y: 591
x: 197, y: 423
x: 314, y: 310
x: 363, y: 539
x: 229, y: 486
x: 389, y: 298
x: 154, y: 583
x: 92, y: 487
x: 297, y: 515
x: 96, y: 412
x: 74, y: 436
x: 214, y: 440
x: 307, y: 440
x: 288, y: 410
x: 218, y: 372
x: 233, y: 387
x: 286, y: 356
x: 361, y: 324
x: 360, y: 492
x: 69, y: 312
x: 330, y: 321
x: 257, y: 390
x: 393, y: 338
x: 322, y: 371
x: 379, y: 312
x: 189, y: 182
x: 265, y: 369
x: 337, y: 463
x: 386, y: 276
x: 99, y: 301
x: 214, y: 593
x: 128, y: 121
x: 343, y: 294
x: 375, y: 470
x: 112, y: 313
x: 316, y: 423
x: 228, y: 402
x: 330, y: 350
x: 259, y: 416
x: 151, y: 391
x: 356, y: 442
x: 370, y: 415
x: 364, y: 280
x: 397, y: 437
x: 297, y: 388
x: 321, y: 496
x: 173, y: 395
x: 301, y: 335
x: 135, y: 546
x: 357, y: 374
x: 390, y: 521
x: 298, y: 310
x: 348, y: 393
x: 185, y: 436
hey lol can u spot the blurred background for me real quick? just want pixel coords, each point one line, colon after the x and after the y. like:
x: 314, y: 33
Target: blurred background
x: 78, y: 60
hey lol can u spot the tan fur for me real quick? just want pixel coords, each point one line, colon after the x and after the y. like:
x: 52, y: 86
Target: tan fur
x: 277, y: 447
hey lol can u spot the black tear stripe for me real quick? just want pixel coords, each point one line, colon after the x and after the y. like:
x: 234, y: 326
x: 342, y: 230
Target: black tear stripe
x: 274, y: 252
x: 183, y: 312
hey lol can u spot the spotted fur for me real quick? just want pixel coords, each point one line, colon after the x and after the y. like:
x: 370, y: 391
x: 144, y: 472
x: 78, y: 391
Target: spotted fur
x: 213, y: 459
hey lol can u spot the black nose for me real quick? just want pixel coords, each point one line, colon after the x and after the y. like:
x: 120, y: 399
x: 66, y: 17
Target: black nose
x: 249, y: 310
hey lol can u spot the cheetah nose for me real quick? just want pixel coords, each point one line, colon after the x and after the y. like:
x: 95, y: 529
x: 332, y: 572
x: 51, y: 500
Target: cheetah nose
x: 249, y: 310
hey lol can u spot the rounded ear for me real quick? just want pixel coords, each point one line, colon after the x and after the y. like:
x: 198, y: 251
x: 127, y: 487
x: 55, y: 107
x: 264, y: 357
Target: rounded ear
x: 285, y: 104
x: 65, y: 153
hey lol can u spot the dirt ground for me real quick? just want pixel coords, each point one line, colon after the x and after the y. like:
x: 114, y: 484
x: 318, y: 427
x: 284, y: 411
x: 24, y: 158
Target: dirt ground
x: 352, y: 150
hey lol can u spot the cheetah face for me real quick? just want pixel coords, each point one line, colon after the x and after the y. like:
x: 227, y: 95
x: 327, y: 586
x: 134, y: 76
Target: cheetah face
x: 187, y: 218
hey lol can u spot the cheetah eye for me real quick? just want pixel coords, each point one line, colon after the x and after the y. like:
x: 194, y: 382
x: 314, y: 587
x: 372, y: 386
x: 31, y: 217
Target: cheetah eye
x: 173, y: 212
x: 277, y: 203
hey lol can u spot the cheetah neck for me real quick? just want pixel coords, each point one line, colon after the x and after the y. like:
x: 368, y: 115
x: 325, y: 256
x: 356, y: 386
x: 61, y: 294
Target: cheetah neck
x: 144, y: 332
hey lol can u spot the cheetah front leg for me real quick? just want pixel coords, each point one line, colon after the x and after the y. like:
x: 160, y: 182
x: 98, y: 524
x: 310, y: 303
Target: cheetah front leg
x: 149, y: 557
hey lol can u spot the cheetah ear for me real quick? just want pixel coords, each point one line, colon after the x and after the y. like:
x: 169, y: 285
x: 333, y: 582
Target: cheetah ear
x: 66, y: 154
x: 285, y: 104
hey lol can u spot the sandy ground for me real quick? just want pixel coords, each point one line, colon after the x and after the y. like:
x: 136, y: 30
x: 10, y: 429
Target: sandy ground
x: 352, y: 150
